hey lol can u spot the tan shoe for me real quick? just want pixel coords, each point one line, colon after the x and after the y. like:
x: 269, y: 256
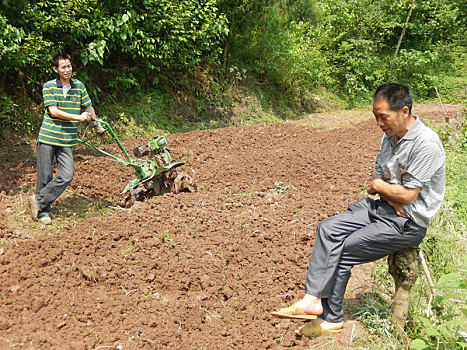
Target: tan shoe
x: 293, y: 312
x: 313, y: 329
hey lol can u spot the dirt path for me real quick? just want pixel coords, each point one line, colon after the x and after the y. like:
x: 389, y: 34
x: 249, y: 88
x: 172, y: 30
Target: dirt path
x: 191, y: 271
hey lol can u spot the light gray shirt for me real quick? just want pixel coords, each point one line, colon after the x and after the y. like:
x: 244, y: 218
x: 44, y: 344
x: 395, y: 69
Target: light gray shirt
x: 416, y: 161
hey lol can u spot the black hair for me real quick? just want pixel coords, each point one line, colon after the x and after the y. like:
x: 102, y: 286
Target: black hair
x: 60, y: 56
x: 398, y: 96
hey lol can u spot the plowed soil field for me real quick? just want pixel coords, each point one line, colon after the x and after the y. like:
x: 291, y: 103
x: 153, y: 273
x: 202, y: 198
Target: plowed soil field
x: 183, y: 271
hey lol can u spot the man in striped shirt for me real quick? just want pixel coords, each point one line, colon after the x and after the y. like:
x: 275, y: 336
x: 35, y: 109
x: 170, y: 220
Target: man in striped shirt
x: 66, y: 104
x: 409, y: 177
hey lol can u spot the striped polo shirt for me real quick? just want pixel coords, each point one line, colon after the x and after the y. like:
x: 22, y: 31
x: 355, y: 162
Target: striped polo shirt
x: 416, y: 161
x: 55, y: 131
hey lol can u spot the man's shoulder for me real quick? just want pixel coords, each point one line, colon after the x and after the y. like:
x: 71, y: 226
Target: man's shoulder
x: 428, y: 134
x: 50, y: 83
x: 78, y: 83
x: 428, y: 142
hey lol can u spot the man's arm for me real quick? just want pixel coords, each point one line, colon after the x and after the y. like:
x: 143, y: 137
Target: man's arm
x: 398, y: 207
x: 91, y: 111
x: 58, y: 113
x: 371, y: 191
x: 394, y: 192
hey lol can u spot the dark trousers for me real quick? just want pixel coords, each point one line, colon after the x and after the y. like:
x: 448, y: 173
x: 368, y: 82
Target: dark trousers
x: 48, y: 189
x: 367, y: 231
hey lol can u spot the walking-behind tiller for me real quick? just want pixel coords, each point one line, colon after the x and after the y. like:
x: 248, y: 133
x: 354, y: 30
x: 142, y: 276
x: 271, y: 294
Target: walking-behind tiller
x: 156, y: 175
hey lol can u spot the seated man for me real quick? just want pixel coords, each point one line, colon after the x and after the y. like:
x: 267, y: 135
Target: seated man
x: 409, y: 177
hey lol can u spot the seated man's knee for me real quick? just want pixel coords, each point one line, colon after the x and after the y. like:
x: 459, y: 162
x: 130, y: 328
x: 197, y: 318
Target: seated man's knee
x: 325, y: 228
x: 331, y: 222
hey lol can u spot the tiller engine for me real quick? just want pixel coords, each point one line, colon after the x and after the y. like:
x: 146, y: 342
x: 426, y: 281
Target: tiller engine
x: 156, y: 171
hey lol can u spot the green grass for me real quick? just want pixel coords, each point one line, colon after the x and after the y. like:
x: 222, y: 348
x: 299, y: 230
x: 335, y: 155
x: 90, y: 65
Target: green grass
x: 165, y: 237
x: 444, y: 248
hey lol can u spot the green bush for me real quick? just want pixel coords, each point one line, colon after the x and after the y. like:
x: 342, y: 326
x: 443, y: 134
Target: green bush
x: 295, y: 49
x: 147, y: 36
x: 443, y: 330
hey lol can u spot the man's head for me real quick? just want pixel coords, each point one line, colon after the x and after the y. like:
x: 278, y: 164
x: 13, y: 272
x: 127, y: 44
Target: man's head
x: 62, y: 66
x: 397, y: 95
x: 392, y: 107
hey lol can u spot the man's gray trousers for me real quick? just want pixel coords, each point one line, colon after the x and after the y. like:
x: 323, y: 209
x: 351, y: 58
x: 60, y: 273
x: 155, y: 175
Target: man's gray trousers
x: 48, y: 189
x: 367, y: 231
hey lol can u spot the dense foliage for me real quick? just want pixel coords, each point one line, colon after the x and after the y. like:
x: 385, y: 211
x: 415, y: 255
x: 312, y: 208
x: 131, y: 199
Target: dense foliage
x: 299, y: 48
x: 130, y: 40
x: 349, y: 46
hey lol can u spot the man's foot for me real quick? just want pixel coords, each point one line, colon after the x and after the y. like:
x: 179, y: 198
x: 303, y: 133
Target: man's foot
x: 34, y: 207
x: 45, y: 219
x: 329, y: 325
x: 318, y: 327
x: 310, y: 305
x: 307, y: 308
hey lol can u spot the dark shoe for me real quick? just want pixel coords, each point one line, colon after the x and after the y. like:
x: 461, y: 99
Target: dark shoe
x: 34, y: 207
x: 45, y: 219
